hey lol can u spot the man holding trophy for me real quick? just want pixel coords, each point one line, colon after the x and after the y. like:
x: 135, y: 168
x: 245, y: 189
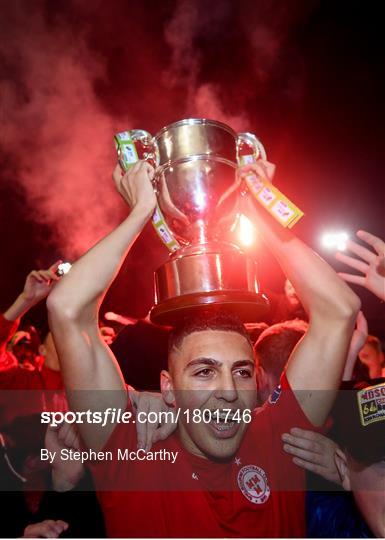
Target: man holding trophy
x: 231, y: 477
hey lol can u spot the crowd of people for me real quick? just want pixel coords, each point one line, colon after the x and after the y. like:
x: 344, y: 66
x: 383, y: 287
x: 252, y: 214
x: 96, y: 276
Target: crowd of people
x: 308, y: 461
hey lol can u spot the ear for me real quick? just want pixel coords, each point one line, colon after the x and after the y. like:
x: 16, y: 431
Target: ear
x: 260, y: 376
x: 262, y: 386
x: 167, y: 388
x: 341, y: 462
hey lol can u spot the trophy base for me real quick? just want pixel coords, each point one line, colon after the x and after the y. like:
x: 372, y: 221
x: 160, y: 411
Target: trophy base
x: 249, y: 306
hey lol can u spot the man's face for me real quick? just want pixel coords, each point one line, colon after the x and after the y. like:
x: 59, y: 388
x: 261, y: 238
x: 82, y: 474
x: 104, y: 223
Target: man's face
x: 24, y: 352
x: 290, y: 293
x: 368, y: 486
x: 212, y: 371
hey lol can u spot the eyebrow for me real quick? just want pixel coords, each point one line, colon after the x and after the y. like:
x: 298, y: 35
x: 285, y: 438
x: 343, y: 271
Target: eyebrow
x: 207, y: 361
x: 243, y: 363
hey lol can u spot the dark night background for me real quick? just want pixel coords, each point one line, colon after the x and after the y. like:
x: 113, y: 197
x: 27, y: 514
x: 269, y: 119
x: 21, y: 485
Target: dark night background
x: 305, y: 76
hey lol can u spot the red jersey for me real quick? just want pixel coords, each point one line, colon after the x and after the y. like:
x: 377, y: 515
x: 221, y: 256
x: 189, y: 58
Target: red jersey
x: 260, y: 493
x: 25, y: 378
x: 16, y: 378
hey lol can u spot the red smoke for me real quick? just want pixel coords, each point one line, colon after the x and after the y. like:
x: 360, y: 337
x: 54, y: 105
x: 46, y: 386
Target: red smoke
x: 56, y: 130
x: 75, y: 73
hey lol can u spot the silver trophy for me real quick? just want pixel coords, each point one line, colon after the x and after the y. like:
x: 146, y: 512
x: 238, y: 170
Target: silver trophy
x: 198, y: 194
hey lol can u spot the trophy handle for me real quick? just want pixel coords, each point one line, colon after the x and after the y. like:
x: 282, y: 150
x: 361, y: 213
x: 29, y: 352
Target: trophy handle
x: 249, y: 149
x: 149, y: 145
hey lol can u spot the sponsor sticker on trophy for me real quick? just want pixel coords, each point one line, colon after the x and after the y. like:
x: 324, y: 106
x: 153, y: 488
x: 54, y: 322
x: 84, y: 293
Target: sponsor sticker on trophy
x: 250, y: 150
x: 128, y: 155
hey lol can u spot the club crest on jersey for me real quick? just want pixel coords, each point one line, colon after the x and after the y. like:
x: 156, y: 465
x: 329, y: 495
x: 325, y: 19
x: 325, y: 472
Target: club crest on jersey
x: 275, y: 395
x: 252, y: 481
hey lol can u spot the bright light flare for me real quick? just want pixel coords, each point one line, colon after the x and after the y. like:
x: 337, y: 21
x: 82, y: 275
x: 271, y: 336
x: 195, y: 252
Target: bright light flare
x: 246, y: 231
x: 63, y: 268
x: 335, y: 240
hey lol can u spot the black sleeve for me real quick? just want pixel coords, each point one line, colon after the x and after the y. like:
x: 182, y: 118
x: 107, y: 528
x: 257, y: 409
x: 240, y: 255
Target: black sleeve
x: 79, y: 507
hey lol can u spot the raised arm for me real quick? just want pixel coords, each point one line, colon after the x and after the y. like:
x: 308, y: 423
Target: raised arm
x: 316, y: 365
x: 86, y: 361
x: 37, y: 285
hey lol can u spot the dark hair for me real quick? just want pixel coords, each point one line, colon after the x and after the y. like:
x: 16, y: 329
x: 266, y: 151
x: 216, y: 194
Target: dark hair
x: 218, y: 320
x: 255, y: 330
x: 334, y: 515
x: 276, y: 343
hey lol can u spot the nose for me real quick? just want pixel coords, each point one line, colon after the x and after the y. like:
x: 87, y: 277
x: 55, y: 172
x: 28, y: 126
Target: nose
x: 226, y: 388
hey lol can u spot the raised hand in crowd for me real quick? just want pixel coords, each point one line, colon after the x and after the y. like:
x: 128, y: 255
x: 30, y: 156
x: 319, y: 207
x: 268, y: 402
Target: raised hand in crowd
x: 66, y: 474
x: 369, y: 262
x: 49, y: 528
x: 37, y: 286
x: 313, y: 452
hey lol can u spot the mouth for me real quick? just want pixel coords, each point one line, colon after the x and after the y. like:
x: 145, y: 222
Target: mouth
x: 224, y: 425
